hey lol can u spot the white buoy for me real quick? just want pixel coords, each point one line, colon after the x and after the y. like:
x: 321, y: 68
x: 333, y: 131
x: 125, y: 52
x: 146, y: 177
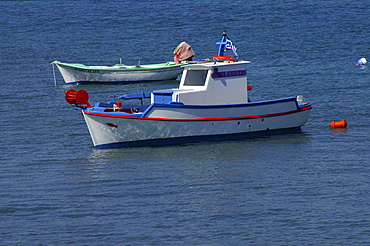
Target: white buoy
x: 361, y: 62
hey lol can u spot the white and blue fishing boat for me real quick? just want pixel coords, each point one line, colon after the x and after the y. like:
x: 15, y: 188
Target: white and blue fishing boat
x: 211, y: 103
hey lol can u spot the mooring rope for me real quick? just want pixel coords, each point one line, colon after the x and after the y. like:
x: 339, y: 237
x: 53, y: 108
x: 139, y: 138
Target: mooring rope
x: 55, y: 80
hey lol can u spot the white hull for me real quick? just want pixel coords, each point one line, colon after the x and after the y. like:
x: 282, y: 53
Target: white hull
x: 73, y: 75
x: 261, y: 119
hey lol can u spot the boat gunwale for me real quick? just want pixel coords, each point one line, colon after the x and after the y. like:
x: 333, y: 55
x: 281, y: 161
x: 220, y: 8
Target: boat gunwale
x: 141, y: 68
x: 300, y: 108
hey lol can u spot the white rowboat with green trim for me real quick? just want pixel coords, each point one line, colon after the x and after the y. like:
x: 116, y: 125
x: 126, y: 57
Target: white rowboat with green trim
x: 74, y: 73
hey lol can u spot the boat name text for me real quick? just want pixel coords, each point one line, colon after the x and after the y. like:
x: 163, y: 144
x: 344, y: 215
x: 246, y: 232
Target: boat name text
x: 86, y: 70
x: 229, y: 74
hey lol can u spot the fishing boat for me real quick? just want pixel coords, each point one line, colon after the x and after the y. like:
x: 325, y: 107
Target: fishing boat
x: 211, y: 103
x: 74, y: 73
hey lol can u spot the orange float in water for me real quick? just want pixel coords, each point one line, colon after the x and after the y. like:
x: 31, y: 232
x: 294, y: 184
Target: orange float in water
x: 338, y: 124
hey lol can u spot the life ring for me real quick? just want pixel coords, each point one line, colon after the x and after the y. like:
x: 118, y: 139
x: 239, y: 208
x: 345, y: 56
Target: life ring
x: 224, y: 58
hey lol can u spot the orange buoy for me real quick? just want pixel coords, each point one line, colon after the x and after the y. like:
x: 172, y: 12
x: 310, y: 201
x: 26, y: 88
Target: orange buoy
x: 338, y: 124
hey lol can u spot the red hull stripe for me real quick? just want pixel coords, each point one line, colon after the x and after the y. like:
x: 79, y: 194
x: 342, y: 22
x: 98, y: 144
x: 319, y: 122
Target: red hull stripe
x: 201, y: 119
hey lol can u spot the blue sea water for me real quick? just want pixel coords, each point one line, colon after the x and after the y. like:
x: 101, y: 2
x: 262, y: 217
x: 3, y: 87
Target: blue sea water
x: 308, y: 188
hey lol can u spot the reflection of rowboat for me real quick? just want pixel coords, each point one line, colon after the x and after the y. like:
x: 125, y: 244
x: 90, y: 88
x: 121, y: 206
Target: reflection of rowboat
x: 79, y: 73
x: 211, y: 103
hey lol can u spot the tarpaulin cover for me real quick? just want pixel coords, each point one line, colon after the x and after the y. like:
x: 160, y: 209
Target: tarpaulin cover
x: 183, y: 52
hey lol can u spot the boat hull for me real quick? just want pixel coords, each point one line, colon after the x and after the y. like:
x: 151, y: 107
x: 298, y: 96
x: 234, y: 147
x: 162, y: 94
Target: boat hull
x: 89, y: 75
x: 115, y: 130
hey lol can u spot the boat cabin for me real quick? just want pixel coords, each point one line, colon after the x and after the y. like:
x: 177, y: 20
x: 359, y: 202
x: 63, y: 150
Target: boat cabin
x: 208, y: 84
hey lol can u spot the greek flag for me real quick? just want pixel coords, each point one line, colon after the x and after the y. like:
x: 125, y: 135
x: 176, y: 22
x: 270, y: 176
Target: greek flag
x: 230, y: 46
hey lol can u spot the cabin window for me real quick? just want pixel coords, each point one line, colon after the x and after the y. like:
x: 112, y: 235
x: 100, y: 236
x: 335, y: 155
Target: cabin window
x: 195, y: 77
